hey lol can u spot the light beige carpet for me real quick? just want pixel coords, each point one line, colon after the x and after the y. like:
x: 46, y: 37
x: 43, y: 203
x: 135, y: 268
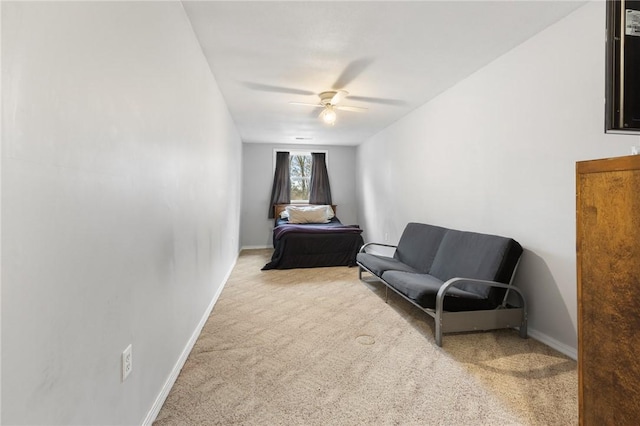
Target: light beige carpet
x: 320, y: 347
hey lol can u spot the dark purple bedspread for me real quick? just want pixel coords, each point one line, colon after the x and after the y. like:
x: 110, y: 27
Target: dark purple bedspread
x: 328, y: 228
x: 314, y: 245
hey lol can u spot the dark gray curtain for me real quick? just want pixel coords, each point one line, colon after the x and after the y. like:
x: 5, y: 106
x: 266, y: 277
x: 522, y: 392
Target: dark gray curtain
x: 320, y: 190
x: 281, y: 190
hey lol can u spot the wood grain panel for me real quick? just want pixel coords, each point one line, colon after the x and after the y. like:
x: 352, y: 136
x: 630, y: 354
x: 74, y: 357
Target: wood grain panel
x: 608, y: 268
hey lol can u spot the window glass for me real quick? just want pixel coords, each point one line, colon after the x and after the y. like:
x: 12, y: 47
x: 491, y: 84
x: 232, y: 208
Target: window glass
x: 300, y: 172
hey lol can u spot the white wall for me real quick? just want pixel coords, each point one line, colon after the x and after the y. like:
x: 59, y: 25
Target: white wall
x: 257, y: 159
x: 496, y: 154
x: 121, y: 179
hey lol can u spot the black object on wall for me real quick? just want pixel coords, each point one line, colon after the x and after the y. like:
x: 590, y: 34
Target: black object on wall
x: 623, y: 66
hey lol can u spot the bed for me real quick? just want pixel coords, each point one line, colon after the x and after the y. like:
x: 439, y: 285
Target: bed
x: 312, y: 245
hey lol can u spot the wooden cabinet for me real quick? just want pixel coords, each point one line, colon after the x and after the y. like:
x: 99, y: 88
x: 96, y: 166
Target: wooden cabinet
x: 608, y: 267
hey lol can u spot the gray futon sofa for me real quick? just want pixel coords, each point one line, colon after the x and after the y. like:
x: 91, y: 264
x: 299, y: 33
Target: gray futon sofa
x: 461, y: 279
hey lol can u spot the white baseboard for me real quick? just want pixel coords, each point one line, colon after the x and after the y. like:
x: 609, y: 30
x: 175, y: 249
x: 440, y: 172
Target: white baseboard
x: 162, y: 396
x: 553, y: 343
x: 255, y: 247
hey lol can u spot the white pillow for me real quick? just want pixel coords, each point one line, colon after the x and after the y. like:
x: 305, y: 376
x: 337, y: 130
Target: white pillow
x: 330, y: 213
x: 309, y: 214
x: 306, y: 207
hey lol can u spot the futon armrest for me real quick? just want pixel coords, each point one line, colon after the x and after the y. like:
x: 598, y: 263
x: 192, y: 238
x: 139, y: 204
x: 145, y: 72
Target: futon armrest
x: 453, y: 281
x: 363, y: 248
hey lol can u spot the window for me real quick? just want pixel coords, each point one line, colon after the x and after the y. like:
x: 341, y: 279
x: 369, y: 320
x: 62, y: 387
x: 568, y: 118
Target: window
x: 300, y: 173
x: 299, y: 177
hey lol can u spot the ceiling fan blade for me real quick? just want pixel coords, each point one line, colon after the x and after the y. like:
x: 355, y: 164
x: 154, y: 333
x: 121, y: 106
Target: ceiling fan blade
x: 306, y: 104
x: 276, y: 89
x: 352, y: 71
x: 382, y: 101
x: 351, y: 108
x: 338, y: 97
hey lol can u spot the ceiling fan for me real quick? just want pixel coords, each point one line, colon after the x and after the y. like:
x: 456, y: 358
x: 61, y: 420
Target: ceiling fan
x: 329, y: 102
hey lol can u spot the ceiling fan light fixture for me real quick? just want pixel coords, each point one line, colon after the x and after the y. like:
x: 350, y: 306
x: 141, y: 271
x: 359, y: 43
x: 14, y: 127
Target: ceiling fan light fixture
x: 328, y: 115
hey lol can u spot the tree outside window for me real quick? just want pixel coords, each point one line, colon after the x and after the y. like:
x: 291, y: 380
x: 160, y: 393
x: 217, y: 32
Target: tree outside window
x: 300, y: 173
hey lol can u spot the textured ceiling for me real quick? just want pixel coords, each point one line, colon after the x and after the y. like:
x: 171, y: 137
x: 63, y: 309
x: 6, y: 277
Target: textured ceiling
x: 391, y: 57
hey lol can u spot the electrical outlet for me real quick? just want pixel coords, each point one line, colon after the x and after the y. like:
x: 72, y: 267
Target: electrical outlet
x: 127, y: 362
